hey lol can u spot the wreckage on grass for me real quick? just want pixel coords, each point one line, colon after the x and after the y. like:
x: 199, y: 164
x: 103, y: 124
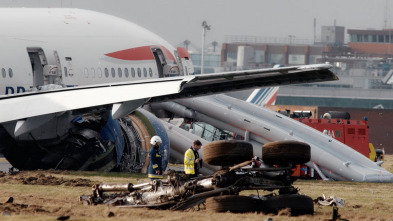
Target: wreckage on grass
x: 220, y: 191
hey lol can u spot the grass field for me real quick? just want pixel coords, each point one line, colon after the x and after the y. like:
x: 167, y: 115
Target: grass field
x: 47, y: 195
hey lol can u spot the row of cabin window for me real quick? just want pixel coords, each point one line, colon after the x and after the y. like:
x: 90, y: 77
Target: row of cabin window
x: 4, y: 73
x: 119, y: 72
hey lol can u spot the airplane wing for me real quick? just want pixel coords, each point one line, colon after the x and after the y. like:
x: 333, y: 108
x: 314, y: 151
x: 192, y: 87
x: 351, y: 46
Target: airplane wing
x: 127, y: 96
x: 207, y: 84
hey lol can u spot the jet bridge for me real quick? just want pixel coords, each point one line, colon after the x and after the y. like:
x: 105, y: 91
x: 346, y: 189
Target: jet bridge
x: 329, y: 157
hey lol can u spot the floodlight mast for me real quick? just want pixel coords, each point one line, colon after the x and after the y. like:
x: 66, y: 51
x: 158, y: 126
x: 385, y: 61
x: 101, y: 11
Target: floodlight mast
x: 205, y: 27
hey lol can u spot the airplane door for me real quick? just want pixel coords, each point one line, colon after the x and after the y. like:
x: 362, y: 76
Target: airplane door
x: 160, y: 60
x: 38, y: 61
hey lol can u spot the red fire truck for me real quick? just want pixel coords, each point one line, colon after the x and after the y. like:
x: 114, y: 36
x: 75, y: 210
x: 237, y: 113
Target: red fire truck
x: 338, y: 125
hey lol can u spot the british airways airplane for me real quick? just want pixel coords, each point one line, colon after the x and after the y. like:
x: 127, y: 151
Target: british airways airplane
x: 70, y: 77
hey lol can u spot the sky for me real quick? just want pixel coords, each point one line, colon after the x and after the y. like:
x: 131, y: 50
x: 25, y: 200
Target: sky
x: 180, y: 20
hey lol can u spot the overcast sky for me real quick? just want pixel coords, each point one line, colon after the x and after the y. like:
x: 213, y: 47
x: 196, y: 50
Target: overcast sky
x: 179, y: 20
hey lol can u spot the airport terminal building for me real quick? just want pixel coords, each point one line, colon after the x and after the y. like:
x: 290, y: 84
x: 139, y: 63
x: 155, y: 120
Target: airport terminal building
x: 364, y: 65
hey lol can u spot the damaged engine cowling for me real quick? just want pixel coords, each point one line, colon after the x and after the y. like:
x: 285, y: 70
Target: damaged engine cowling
x: 91, y: 141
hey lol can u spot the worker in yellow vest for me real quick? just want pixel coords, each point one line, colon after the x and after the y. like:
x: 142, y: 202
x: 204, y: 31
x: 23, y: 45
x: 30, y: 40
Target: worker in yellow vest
x: 192, y: 160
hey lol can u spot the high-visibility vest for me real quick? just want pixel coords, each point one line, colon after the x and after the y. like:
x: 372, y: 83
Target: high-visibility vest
x: 189, y: 161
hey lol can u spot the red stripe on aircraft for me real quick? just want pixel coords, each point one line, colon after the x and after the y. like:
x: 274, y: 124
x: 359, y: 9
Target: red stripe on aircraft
x: 183, y: 53
x: 133, y: 54
x: 140, y: 53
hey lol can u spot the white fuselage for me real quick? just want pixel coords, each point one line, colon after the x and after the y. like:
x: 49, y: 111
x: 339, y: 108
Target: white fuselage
x: 73, y: 47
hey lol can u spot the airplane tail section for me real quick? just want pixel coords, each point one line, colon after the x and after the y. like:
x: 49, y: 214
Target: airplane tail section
x: 263, y: 96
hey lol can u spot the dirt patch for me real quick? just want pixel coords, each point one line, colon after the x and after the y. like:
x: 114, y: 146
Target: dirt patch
x: 29, y: 178
x: 10, y: 208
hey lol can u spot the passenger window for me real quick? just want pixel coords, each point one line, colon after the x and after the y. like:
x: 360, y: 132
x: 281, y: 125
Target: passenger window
x: 126, y: 73
x: 144, y: 72
x: 10, y: 73
x: 132, y: 72
x: 119, y: 72
x: 86, y: 72
x: 3, y: 72
x: 65, y: 72
x: 99, y: 72
x: 93, y: 72
x: 139, y: 72
x: 150, y: 72
x: 106, y: 73
x: 113, y: 72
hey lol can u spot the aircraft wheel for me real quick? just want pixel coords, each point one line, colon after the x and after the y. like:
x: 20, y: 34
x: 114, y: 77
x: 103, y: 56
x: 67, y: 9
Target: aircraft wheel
x: 297, y: 204
x: 227, y: 153
x: 283, y: 152
x: 232, y: 203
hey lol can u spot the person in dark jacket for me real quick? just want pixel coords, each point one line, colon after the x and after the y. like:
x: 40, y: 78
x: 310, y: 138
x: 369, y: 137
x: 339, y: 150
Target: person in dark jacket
x: 155, y: 166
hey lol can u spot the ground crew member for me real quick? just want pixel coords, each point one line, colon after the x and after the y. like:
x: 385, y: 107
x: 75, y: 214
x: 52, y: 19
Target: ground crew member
x: 155, y: 166
x: 192, y: 160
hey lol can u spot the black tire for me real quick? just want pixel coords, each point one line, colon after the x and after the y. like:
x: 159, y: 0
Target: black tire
x: 284, y: 152
x: 232, y: 203
x: 297, y: 204
x: 227, y: 153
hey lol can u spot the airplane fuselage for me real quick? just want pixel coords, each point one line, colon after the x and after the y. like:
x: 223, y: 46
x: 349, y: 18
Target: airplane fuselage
x: 72, y: 47
x: 88, y: 71
x: 44, y: 49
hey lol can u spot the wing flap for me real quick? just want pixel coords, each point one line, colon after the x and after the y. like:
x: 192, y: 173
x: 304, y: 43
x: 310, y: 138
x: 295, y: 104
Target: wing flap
x: 203, y: 85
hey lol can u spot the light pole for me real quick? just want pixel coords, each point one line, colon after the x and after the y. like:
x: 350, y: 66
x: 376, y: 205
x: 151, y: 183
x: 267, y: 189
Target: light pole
x: 214, y: 43
x: 291, y: 37
x: 205, y: 28
x: 186, y: 43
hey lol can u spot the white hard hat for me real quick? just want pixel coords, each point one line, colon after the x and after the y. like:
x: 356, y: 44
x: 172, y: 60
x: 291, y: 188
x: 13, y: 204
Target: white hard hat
x: 155, y: 139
